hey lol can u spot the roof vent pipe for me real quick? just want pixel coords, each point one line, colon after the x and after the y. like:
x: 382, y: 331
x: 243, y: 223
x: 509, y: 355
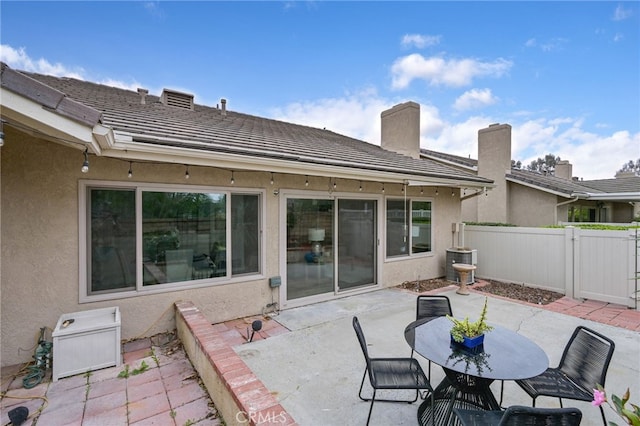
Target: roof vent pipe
x: 224, y: 106
x: 143, y: 94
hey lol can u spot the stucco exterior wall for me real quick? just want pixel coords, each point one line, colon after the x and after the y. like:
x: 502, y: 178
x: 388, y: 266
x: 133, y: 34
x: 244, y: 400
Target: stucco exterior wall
x: 531, y: 207
x: 40, y: 249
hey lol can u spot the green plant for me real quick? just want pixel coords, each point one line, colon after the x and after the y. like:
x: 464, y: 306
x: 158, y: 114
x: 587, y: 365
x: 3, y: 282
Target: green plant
x: 462, y: 328
x: 630, y: 415
x: 126, y: 373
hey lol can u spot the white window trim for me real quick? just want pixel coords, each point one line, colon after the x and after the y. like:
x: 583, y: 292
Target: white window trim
x: 400, y: 258
x: 141, y: 290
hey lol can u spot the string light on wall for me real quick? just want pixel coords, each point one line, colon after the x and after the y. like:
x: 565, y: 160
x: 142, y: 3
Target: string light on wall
x: 271, y: 181
x: 186, y: 173
x: 360, y: 188
x: 453, y: 194
x: 233, y: 180
x: 306, y: 180
x: 383, y: 188
x: 85, y: 164
x: 335, y: 185
x: 421, y: 191
x: 436, y: 190
x: 130, y: 174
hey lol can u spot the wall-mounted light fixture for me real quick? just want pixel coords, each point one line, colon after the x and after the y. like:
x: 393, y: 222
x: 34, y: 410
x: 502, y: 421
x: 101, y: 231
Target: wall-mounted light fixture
x: 306, y: 181
x: 186, y: 173
x: 85, y: 164
x: 360, y: 188
x: 233, y: 180
x: 271, y: 182
x: 130, y: 173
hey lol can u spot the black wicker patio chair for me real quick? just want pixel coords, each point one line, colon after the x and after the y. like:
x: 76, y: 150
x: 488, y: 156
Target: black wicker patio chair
x: 428, y: 307
x: 583, y: 365
x: 390, y: 373
x: 518, y: 415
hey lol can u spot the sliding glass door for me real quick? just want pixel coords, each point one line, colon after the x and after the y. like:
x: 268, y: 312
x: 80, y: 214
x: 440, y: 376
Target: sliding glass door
x: 356, y: 243
x: 329, y: 251
x: 310, y: 268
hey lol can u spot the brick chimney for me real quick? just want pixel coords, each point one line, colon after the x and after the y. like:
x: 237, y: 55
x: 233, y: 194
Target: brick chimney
x: 564, y: 170
x: 401, y: 129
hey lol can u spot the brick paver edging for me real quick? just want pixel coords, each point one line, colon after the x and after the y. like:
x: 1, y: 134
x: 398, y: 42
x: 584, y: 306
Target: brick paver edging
x: 238, y: 394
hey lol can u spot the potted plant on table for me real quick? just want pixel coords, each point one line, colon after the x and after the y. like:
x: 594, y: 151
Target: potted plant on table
x: 470, y: 333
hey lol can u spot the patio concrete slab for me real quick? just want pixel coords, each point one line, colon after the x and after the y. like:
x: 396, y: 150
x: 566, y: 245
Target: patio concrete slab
x: 315, y: 370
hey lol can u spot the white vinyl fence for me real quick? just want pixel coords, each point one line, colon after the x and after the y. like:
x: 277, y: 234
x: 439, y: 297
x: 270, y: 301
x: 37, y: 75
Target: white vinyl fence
x: 583, y: 264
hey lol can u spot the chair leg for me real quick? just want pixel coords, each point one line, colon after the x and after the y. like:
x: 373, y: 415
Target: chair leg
x: 362, y: 385
x: 501, y: 392
x: 371, y: 406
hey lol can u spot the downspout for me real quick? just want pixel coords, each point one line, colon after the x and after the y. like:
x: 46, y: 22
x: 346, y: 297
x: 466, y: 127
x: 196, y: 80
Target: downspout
x: 573, y: 200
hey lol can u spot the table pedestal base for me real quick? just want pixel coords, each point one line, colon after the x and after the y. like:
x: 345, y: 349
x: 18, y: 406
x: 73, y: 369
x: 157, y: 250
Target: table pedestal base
x: 460, y: 391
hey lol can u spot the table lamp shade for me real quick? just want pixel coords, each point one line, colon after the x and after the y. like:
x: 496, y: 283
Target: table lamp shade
x: 316, y: 234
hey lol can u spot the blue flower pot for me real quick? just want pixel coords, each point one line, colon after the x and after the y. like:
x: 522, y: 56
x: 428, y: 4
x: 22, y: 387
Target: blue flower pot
x: 470, y: 342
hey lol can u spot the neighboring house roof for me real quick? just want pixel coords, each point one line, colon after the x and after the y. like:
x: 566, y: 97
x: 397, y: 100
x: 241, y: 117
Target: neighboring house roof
x: 455, y: 160
x: 199, y: 130
x: 619, y: 189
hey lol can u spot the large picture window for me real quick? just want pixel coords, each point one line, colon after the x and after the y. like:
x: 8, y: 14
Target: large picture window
x: 408, y: 227
x: 147, y: 238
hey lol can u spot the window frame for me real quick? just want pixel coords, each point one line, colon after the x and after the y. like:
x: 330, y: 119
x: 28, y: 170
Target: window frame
x: 410, y: 254
x: 140, y: 289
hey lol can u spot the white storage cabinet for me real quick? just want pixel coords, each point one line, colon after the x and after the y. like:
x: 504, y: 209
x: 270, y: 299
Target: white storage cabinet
x: 90, y: 342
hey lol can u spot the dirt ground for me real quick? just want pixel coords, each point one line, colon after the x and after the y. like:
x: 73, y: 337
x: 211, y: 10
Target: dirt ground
x: 510, y: 290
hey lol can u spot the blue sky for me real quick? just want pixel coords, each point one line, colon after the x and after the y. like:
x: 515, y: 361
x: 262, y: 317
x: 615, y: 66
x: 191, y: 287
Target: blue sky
x: 565, y: 75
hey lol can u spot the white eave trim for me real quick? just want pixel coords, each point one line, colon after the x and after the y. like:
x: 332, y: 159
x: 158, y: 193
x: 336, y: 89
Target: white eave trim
x: 609, y: 196
x: 30, y: 116
x: 125, y: 148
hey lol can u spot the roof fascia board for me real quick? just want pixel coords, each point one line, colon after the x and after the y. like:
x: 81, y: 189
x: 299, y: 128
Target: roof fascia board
x: 611, y: 196
x: 124, y: 148
x: 45, y: 123
x: 48, y: 97
x: 539, y: 188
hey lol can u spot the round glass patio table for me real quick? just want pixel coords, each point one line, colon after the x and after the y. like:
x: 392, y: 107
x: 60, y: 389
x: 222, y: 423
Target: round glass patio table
x: 504, y: 355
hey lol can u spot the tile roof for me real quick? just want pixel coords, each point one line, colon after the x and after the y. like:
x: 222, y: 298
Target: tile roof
x: 210, y: 129
x: 564, y: 187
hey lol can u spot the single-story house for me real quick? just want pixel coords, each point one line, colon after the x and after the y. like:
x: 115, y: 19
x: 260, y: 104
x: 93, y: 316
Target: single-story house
x: 527, y: 198
x: 111, y: 197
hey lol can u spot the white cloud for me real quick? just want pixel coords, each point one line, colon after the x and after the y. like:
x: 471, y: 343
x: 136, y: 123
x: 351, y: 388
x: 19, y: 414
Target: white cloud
x: 355, y: 115
x: 154, y: 9
x: 439, y: 71
x: 552, y: 45
x: 20, y: 60
x: 474, y: 98
x: 593, y: 156
x: 420, y: 41
x: 620, y: 14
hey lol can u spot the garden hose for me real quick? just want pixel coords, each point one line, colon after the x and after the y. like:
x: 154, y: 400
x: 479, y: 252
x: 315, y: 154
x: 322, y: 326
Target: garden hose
x: 42, y: 359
